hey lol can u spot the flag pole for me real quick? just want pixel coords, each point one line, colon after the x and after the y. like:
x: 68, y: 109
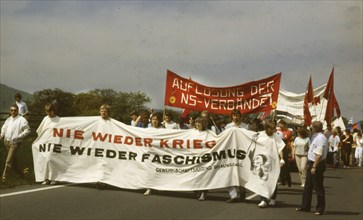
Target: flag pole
x: 215, y: 125
x: 273, y: 115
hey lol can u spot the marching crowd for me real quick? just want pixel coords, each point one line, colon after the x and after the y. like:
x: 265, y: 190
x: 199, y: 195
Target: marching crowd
x: 312, y: 148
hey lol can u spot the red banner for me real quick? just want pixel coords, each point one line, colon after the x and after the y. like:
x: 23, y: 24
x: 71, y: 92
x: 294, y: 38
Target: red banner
x: 252, y: 97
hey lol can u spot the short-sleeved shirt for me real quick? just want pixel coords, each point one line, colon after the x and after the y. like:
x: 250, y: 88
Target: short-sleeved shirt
x: 333, y: 143
x: 301, y: 146
x: 319, y: 145
x: 23, y: 108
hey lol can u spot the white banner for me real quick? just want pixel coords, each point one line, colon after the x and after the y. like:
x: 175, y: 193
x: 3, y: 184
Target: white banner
x: 291, y: 106
x: 90, y: 149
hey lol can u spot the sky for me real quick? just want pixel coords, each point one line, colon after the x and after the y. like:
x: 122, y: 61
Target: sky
x: 127, y: 46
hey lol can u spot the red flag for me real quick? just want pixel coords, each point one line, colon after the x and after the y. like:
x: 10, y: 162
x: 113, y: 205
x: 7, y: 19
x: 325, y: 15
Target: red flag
x: 329, y: 86
x: 308, y: 98
x: 332, y: 101
x: 329, y: 113
x: 310, y: 94
x: 307, y: 115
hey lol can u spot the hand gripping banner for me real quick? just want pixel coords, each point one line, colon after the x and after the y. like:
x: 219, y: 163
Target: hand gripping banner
x: 252, y: 97
x: 90, y: 149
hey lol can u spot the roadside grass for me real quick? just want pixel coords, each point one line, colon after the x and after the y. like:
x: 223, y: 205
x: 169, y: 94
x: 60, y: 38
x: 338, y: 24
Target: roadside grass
x: 25, y: 161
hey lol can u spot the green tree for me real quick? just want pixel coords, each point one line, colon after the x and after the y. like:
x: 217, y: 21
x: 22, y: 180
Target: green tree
x: 63, y: 100
x: 121, y: 104
x: 127, y: 102
x: 88, y: 103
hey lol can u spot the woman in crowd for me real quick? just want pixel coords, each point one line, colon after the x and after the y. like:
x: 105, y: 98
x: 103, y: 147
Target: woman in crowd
x: 191, y: 122
x: 236, y: 118
x: 144, y: 121
x: 168, y: 121
x: 358, y: 149
x: 135, y: 118
x: 201, y: 125
x: 347, y: 141
x: 339, y: 154
x: 300, y: 150
x: 155, y: 124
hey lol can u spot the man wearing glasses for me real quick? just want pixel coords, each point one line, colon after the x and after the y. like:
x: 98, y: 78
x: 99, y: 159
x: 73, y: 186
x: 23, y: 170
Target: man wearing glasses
x: 14, y: 130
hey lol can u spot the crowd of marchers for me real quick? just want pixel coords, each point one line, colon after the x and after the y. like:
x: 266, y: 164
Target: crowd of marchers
x: 311, y: 148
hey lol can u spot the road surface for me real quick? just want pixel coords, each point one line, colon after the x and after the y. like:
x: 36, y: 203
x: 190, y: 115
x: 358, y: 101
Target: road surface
x: 84, y: 201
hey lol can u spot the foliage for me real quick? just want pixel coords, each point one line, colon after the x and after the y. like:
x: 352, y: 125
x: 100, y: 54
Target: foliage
x: 63, y: 100
x: 7, y: 97
x: 88, y: 103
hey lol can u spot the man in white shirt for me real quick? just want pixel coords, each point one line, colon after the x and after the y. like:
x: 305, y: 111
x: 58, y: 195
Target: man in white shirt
x: 23, y: 108
x: 334, y: 141
x: 14, y: 130
x: 236, y: 117
x: 315, y: 172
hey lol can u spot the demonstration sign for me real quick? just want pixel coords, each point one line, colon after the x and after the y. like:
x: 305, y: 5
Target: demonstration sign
x: 90, y: 149
x: 252, y: 97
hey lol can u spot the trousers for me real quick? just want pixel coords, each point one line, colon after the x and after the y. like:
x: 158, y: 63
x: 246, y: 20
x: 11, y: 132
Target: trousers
x: 314, y: 182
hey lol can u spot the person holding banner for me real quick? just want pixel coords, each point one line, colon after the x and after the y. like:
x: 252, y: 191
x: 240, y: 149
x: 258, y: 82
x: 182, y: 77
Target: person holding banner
x: 48, y: 122
x: 14, y: 130
x: 211, y: 124
x: 270, y: 129
x: 156, y: 123
x: 315, y: 173
x: 168, y: 121
x: 104, y: 113
x: 191, y: 122
x: 144, y: 122
x: 236, y: 118
x: 201, y: 125
x: 135, y: 118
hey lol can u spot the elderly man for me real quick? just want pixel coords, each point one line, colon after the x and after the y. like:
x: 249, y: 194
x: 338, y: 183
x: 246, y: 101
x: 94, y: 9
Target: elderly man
x: 315, y: 172
x: 13, y: 131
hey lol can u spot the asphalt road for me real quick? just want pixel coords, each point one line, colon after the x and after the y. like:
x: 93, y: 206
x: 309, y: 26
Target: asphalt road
x: 84, y: 201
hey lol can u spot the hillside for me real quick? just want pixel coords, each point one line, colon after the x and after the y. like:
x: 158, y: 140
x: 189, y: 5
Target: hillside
x: 7, y: 96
